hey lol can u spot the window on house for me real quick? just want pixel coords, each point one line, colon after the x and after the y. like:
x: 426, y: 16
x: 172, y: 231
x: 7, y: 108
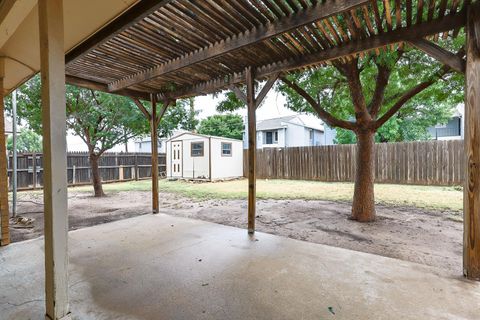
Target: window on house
x: 226, y: 149
x: 311, y: 134
x: 271, y: 137
x: 197, y: 149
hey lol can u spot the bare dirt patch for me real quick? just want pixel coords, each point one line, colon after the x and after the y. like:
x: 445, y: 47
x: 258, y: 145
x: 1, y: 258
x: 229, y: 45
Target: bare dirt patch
x: 428, y: 237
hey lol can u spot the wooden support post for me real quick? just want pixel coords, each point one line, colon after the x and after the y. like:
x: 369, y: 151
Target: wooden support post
x: 252, y: 149
x: 154, y: 143
x: 4, y: 213
x: 52, y: 61
x: 471, y: 215
x: 253, y: 103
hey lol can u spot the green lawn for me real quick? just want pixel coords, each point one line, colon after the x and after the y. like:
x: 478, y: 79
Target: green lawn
x: 444, y: 198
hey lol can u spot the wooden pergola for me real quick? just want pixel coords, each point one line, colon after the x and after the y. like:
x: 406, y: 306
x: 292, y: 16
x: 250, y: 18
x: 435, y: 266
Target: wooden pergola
x: 163, y: 50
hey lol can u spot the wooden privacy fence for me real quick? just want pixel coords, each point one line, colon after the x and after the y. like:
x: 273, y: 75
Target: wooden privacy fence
x: 420, y: 162
x: 114, y: 167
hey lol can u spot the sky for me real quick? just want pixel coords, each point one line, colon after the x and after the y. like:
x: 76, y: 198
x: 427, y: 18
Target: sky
x: 273, y: 107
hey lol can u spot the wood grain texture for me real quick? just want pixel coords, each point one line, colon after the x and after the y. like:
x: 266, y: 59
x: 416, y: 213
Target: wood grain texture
x: 154, y: 145
x: 471, y: 241
x: 252, y: 147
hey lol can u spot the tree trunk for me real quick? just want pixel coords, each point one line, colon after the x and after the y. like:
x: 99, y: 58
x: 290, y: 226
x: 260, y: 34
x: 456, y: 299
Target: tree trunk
x: 363, y: 208
x: 96, y: 178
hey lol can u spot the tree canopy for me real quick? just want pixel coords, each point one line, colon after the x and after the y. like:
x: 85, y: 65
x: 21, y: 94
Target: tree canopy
x: 223, y: 125
x: 330, y: 88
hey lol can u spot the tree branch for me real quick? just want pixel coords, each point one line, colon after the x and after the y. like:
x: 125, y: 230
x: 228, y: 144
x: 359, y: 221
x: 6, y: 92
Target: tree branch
x: 322, y: 113
x: 380, y: 86
x: 404, y: 99
x: 414, y: 91
x: 351, y: 71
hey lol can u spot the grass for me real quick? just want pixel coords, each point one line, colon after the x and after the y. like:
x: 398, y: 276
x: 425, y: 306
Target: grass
x: 431, y: 197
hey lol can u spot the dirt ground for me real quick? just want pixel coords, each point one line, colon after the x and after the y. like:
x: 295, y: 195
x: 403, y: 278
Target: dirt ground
x: 407, y: 233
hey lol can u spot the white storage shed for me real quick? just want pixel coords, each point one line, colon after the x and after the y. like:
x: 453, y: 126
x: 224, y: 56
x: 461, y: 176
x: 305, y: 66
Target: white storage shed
x: 196, y: 156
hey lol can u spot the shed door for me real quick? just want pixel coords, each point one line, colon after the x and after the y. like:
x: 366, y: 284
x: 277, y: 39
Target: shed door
x: 176, y: 160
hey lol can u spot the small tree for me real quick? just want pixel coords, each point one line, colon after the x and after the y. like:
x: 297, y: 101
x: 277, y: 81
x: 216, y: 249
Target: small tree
x: 27, y: 141
x: 101, y: 120
x: 224, y: 125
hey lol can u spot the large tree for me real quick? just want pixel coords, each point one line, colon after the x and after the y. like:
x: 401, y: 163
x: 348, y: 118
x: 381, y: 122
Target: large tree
x: 362, y: 94
x: 222, y: 125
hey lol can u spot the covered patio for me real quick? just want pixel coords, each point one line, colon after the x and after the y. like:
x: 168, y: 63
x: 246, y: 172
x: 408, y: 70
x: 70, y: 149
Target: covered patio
x: 160, y: 51
x: 164, y: 267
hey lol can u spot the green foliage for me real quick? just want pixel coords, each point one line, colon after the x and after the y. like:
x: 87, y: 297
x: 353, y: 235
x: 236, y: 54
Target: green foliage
x: 102, y: 120
x: 230, y: 103
x: 226, y: 125
x: 27, y: 141
x: 330, y: 88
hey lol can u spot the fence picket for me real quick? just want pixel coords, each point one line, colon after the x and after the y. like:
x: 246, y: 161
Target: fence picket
x: 419, y: 162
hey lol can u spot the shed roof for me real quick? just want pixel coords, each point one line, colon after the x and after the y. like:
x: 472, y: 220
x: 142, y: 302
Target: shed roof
x: 181, y: 48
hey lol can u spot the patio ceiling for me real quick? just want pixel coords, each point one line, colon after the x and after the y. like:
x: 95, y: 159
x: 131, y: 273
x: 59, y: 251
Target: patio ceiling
x: 181, y: 48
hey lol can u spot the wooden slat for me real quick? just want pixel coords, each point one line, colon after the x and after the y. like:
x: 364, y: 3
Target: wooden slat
x: 122, y: 22
x: 322, y: 10
x: 449, y: 22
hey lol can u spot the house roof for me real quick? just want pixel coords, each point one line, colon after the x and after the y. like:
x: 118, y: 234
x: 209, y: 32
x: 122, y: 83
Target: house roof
x: 282, y: 122
x: 202, y: 136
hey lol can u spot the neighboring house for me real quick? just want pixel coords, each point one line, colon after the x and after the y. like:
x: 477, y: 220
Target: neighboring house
x: 76, y: 144
x: 290, y: 131
x: 196, y: 156
x: 453, y: 129
x: 145, y: 144
x: 8, y: 127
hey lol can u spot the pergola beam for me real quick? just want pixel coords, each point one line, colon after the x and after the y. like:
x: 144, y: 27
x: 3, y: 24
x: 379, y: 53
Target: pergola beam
x: 317, y: 12
x: 130, y: 17
x: 89, y: 84
x: 444, y: 56
x: 404, y: 34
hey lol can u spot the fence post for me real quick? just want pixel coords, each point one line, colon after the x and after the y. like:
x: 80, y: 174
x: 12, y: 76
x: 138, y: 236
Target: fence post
x: 120, y: 173
x: 74, y: 174
x: 34, y: 172
x: 135, y: 169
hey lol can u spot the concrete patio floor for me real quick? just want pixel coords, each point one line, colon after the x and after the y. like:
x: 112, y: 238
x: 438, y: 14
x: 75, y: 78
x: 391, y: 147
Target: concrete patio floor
x: 164, y: 267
